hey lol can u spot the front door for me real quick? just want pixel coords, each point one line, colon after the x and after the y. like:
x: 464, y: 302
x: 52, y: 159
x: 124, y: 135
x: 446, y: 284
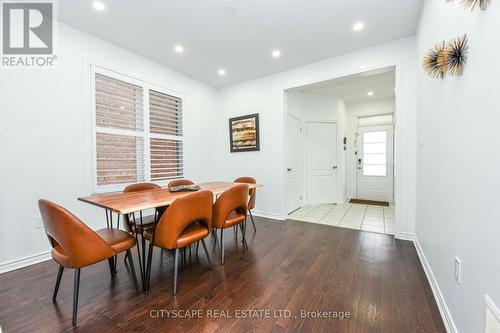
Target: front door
x: 295, y: 163
x: 322, y: 162
x: 375, y: 166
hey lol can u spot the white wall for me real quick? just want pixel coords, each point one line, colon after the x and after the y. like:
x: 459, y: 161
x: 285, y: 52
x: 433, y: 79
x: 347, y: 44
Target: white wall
x: 458, y: 164
x: 266, y: 96
x: 45, y: 141
x: 354, y: 111
x: 313, y: 107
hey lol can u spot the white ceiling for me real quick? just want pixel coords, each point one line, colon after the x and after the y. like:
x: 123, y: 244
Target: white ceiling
x: 355, y: 88
x: 241, y: 37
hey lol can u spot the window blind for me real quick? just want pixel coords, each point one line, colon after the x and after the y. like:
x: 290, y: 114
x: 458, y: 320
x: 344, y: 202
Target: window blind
x: 165, y: 114
x: 165, y: 121
x: 135, y: 141
x: 119, y: 124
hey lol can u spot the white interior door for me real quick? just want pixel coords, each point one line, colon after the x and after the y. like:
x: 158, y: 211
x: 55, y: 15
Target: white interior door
x: 294, y: 164
x: 322, y: 162
x: 375, y: 163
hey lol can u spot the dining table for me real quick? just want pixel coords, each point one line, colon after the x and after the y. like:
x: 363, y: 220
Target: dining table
x: 131, y: 205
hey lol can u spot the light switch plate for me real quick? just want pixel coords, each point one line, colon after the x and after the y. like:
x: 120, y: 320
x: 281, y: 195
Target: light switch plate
x: 458, y: 270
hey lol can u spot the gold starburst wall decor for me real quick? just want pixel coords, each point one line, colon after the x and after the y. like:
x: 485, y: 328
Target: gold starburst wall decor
x: 435, y: 61
x: 456, y: 55
x: 472, y: 4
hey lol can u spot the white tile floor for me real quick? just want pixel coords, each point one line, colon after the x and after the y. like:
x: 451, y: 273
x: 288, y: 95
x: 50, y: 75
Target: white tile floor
x: 354, y: 216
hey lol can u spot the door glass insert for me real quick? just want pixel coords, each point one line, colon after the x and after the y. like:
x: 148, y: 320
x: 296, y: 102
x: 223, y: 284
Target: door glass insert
x: 375, y: 153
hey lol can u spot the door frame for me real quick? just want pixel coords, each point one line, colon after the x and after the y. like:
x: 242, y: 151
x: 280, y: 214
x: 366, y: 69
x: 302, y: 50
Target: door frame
x: 306, y: 153
x: 391, y: 162
x: 399, y: 199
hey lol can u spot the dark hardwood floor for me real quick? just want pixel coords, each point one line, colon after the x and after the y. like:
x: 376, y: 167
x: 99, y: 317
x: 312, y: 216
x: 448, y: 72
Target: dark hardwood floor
x: 290, y: 266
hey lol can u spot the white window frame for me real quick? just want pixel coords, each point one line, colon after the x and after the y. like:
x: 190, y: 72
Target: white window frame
x: 146, y: 135
x: 376, y: 124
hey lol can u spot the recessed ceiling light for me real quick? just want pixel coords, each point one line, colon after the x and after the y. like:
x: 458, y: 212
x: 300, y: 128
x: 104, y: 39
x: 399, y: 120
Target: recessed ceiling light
x: 179, y: 49
x: 221, y: 72
x: 358, y: 26
x: 231, y: 10
x: 122, y: 108
x: 276, y: 53
x: 98, y: 5
x: 371, y: 93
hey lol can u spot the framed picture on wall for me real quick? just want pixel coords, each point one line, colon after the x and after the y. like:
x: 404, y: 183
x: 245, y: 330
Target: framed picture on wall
x: 244, y: 133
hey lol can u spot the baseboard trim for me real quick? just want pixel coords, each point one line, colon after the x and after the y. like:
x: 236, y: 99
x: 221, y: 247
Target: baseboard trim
x: 406, y: 236
x: 12, y: 265
x: 438, y: 296
x: 267, y: 215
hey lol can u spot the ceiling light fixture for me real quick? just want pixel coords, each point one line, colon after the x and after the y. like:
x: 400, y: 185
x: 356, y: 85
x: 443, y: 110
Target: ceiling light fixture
x: 276, y: 53
x: 231, y: 10
x: 221, y: 72
x: 179, y: 49
x: 371, y: 93
x: 98, y: 5
x: 358, y: 26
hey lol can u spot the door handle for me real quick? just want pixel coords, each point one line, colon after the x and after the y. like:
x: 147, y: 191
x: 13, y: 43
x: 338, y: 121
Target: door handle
x: 289, y: 169
x: 335, y: 167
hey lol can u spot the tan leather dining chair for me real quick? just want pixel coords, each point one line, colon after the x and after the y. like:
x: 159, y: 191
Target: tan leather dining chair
x: 251, y: 195
x: 187, y: 220
x: 180, y: 182
x: 159, y: 211
x: 230, y: 210
x: 75, y: 245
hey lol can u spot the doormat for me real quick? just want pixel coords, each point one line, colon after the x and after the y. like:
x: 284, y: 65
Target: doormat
x: 369, y: 202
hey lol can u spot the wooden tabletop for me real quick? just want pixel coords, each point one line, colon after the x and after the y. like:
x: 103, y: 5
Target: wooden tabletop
x: 126, y: 203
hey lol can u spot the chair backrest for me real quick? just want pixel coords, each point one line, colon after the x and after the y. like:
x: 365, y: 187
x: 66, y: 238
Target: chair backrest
x: 251, y: 192
x: 233, y: 199
x: 80, y: 243
x: 190, y: 208
x: 141, y: 187
x: 136, y: 188
x: 179, y: 182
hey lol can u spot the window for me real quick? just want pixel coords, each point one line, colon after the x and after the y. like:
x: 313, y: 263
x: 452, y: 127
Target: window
x: 375, y: 153
x: 376, y: 120
x: 137, y: 132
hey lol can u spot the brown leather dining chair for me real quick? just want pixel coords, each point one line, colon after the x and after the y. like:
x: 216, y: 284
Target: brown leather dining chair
x: 159, y: 211
x: 230, y: 210
x: 75, y: 245
x: 180, y: 182
x: 187, y: 220
x: 145, y: 223
x: 251, y: 195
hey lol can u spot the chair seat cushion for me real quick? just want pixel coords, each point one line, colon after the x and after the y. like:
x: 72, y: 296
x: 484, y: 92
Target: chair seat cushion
x: 147, y: 222
x: 142, y: 229
x: 61, y: 257
x: 191, y: 234
x: 234, y: 218
x: 118, y: 240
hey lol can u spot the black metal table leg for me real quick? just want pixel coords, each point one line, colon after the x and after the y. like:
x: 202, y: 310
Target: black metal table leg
x: 140, y: 249
x: 150, y: 252
x: 109, y: 224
